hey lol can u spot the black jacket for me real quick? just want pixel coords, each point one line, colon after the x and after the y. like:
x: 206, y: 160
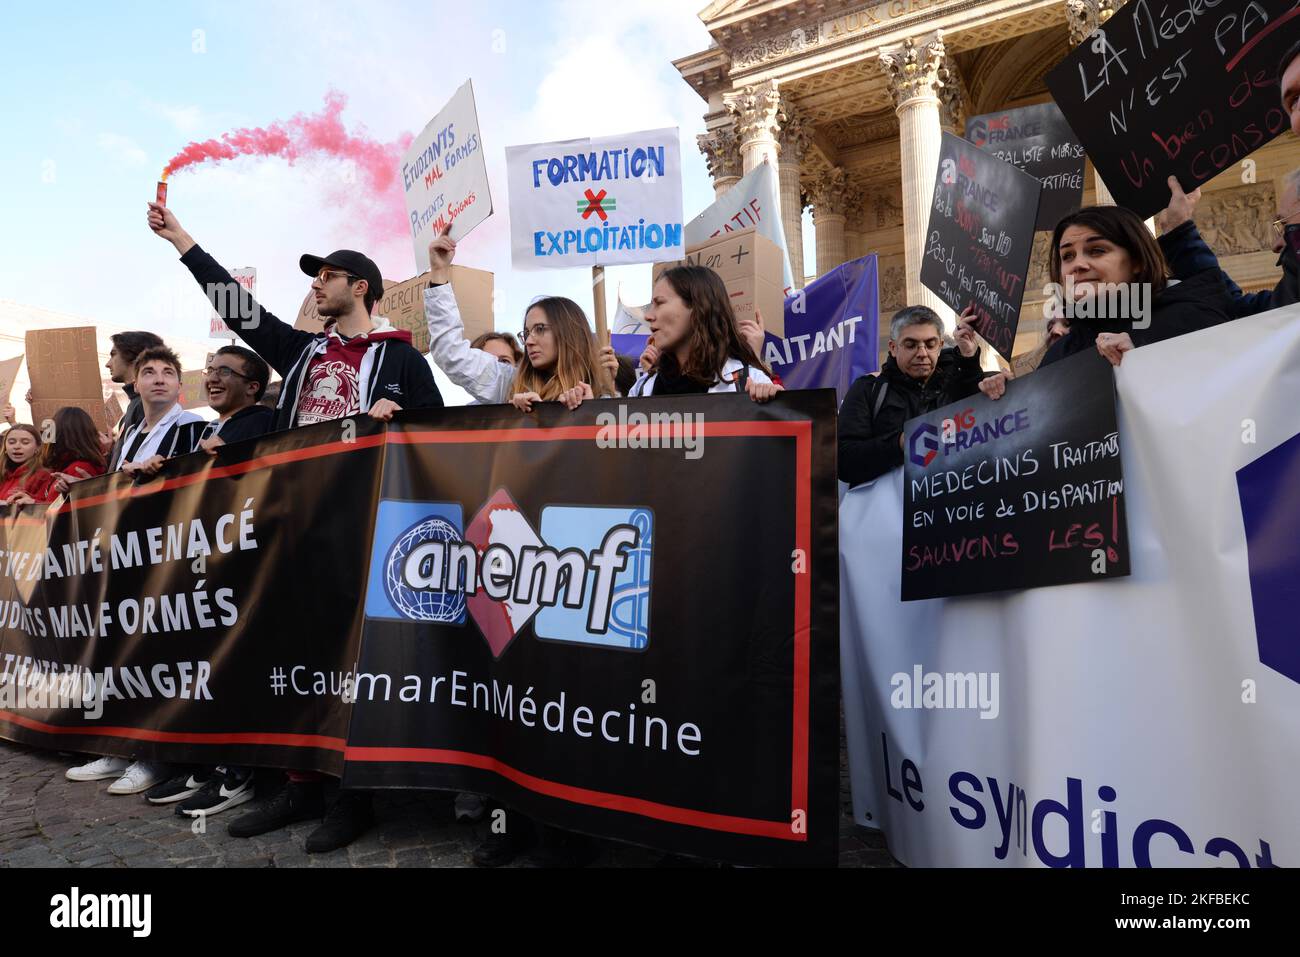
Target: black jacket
x: 247, y: 423
x: 134, y: 413
x: 1197, y: 303
x: 1189, y: 255
x: 869, y: 441
x: 1287, y: 292
x: 401, y: 372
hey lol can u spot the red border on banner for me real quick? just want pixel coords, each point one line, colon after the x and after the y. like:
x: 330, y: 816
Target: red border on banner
x: 800, y: 431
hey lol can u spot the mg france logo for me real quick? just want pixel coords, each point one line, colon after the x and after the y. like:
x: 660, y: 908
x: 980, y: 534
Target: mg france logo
x: 961, y: 432
x: 924, y: 445
x: 584, y: 579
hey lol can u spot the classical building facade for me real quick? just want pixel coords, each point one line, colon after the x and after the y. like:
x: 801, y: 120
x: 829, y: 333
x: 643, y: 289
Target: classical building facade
x: 849, y: 101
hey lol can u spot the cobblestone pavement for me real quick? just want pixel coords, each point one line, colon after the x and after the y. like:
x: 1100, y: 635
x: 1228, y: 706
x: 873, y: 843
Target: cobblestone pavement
x: 49, y: 821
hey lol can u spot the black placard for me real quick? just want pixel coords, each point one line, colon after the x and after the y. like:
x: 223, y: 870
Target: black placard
x: 980, y: 237
x: 1186, y: 88
x: 1023, y: 492
x: 1038, y: 140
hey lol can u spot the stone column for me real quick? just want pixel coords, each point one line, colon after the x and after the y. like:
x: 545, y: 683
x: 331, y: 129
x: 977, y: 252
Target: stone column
x: 793, y: 140
x: 756, y: 109
x: 722, y: 154
x: 854, y: 240
x: 830, y: 193
x: 913, y: 70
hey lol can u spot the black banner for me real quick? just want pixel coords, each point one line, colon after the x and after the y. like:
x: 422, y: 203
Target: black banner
x: 622, y: 620
x: 1038, y: 140
x: 980, y: 238
x: 1023, y: 492
x: 1187, y: 89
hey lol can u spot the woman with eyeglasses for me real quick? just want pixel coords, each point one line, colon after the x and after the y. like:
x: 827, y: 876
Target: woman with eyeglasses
x: 560, y: 361
x: 697, y: 343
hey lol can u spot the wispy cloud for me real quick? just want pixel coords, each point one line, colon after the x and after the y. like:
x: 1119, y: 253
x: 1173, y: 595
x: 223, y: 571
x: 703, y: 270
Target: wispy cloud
x: 122, y: 148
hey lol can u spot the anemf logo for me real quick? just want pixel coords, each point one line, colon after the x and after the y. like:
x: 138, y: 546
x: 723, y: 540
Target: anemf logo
x: 585, y: 579
x: 961, y: 432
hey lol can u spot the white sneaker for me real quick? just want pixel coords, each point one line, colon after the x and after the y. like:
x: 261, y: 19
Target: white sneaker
x: 140, y: 776
x: 101, y: 769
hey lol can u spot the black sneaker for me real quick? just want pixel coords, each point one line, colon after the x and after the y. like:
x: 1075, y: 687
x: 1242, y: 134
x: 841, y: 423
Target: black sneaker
x: 348, y: 818
x: 297, y: 801
x: 559, y: 848
x: 499, y: 849
x: 229, y: 787
x: 179, y: 787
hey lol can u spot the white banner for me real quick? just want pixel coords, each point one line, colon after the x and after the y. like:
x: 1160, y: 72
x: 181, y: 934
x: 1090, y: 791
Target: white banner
x: 217, y: 328
x: 754, y: 201
x: 1153, y: 720
x: 445, y: 176
x: 596, y: 202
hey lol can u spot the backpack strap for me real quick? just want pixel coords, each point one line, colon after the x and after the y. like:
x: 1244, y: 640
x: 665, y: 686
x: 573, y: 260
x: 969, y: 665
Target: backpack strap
x: 882, y: 390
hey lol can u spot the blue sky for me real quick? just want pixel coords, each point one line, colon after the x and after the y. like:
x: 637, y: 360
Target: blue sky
x: 97, y: 97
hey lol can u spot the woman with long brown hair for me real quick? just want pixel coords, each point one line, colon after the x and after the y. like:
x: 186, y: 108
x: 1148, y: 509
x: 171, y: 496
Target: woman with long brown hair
x: 77, y: 452
x: 559, y: 363
x: 24, y: 480
x: 700, y: 348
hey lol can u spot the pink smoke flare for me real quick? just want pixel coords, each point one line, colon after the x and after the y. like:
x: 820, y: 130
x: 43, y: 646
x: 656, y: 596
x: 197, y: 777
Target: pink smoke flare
x: 375, y: 202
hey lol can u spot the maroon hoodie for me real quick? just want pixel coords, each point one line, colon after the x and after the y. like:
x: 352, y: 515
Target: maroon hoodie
x: 337, y: 377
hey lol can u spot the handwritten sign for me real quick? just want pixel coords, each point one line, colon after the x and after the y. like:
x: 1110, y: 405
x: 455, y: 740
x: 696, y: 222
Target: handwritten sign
x: 64, y: 368
x: 247, y: 278
x: 194, y: 392
x: 1038, y: 140
x: 596, y: 202
x: 403, y: 304
x: 754, y: 202
x: 445, y: 176
x: 980, y: 238
x: 1020, y: 493
x: 8, y: 373
x: 1187, y: 90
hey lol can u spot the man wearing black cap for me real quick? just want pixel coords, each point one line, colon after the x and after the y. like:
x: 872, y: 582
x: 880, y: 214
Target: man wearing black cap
x: 358, y: 364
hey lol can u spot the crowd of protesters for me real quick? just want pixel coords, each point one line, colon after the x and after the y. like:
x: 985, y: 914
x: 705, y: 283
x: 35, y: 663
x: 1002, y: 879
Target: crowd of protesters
x: 360, y: 364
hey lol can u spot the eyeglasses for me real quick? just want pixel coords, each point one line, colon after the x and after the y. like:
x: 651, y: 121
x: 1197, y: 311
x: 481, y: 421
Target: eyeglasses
x: 325, y: 275
x: 538, y: 329
x: 224, y: 373
x: 1280, y: 225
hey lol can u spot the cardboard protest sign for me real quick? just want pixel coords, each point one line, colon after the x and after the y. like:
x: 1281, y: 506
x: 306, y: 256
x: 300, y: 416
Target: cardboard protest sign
x: 980, y: 238
x: 247, y: 278
x: 445, y: 176
x: 1187, y: 92
x: 309, y: 319
x: 114, y: 410
x: 596, y: 202
x: 1023, y: 492
x: 194, y: 394
x: 403, y: 304
x: 64, y: 368
x: 1038, y: 140
x: 8, y: 373
x: 751, y: 266
x: 753, y: 202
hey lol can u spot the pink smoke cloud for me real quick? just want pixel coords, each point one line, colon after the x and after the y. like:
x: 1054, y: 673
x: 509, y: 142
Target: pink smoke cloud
x: 375, y: 203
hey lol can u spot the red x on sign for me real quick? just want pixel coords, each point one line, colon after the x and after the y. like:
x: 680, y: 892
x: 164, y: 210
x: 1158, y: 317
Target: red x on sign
x: 594, y: 206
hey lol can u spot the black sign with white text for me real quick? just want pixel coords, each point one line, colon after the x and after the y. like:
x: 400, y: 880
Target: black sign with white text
x: 1038, y: 140
x: 1021, y: 492
x: 980, y: 238
x: 1187, y: 89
